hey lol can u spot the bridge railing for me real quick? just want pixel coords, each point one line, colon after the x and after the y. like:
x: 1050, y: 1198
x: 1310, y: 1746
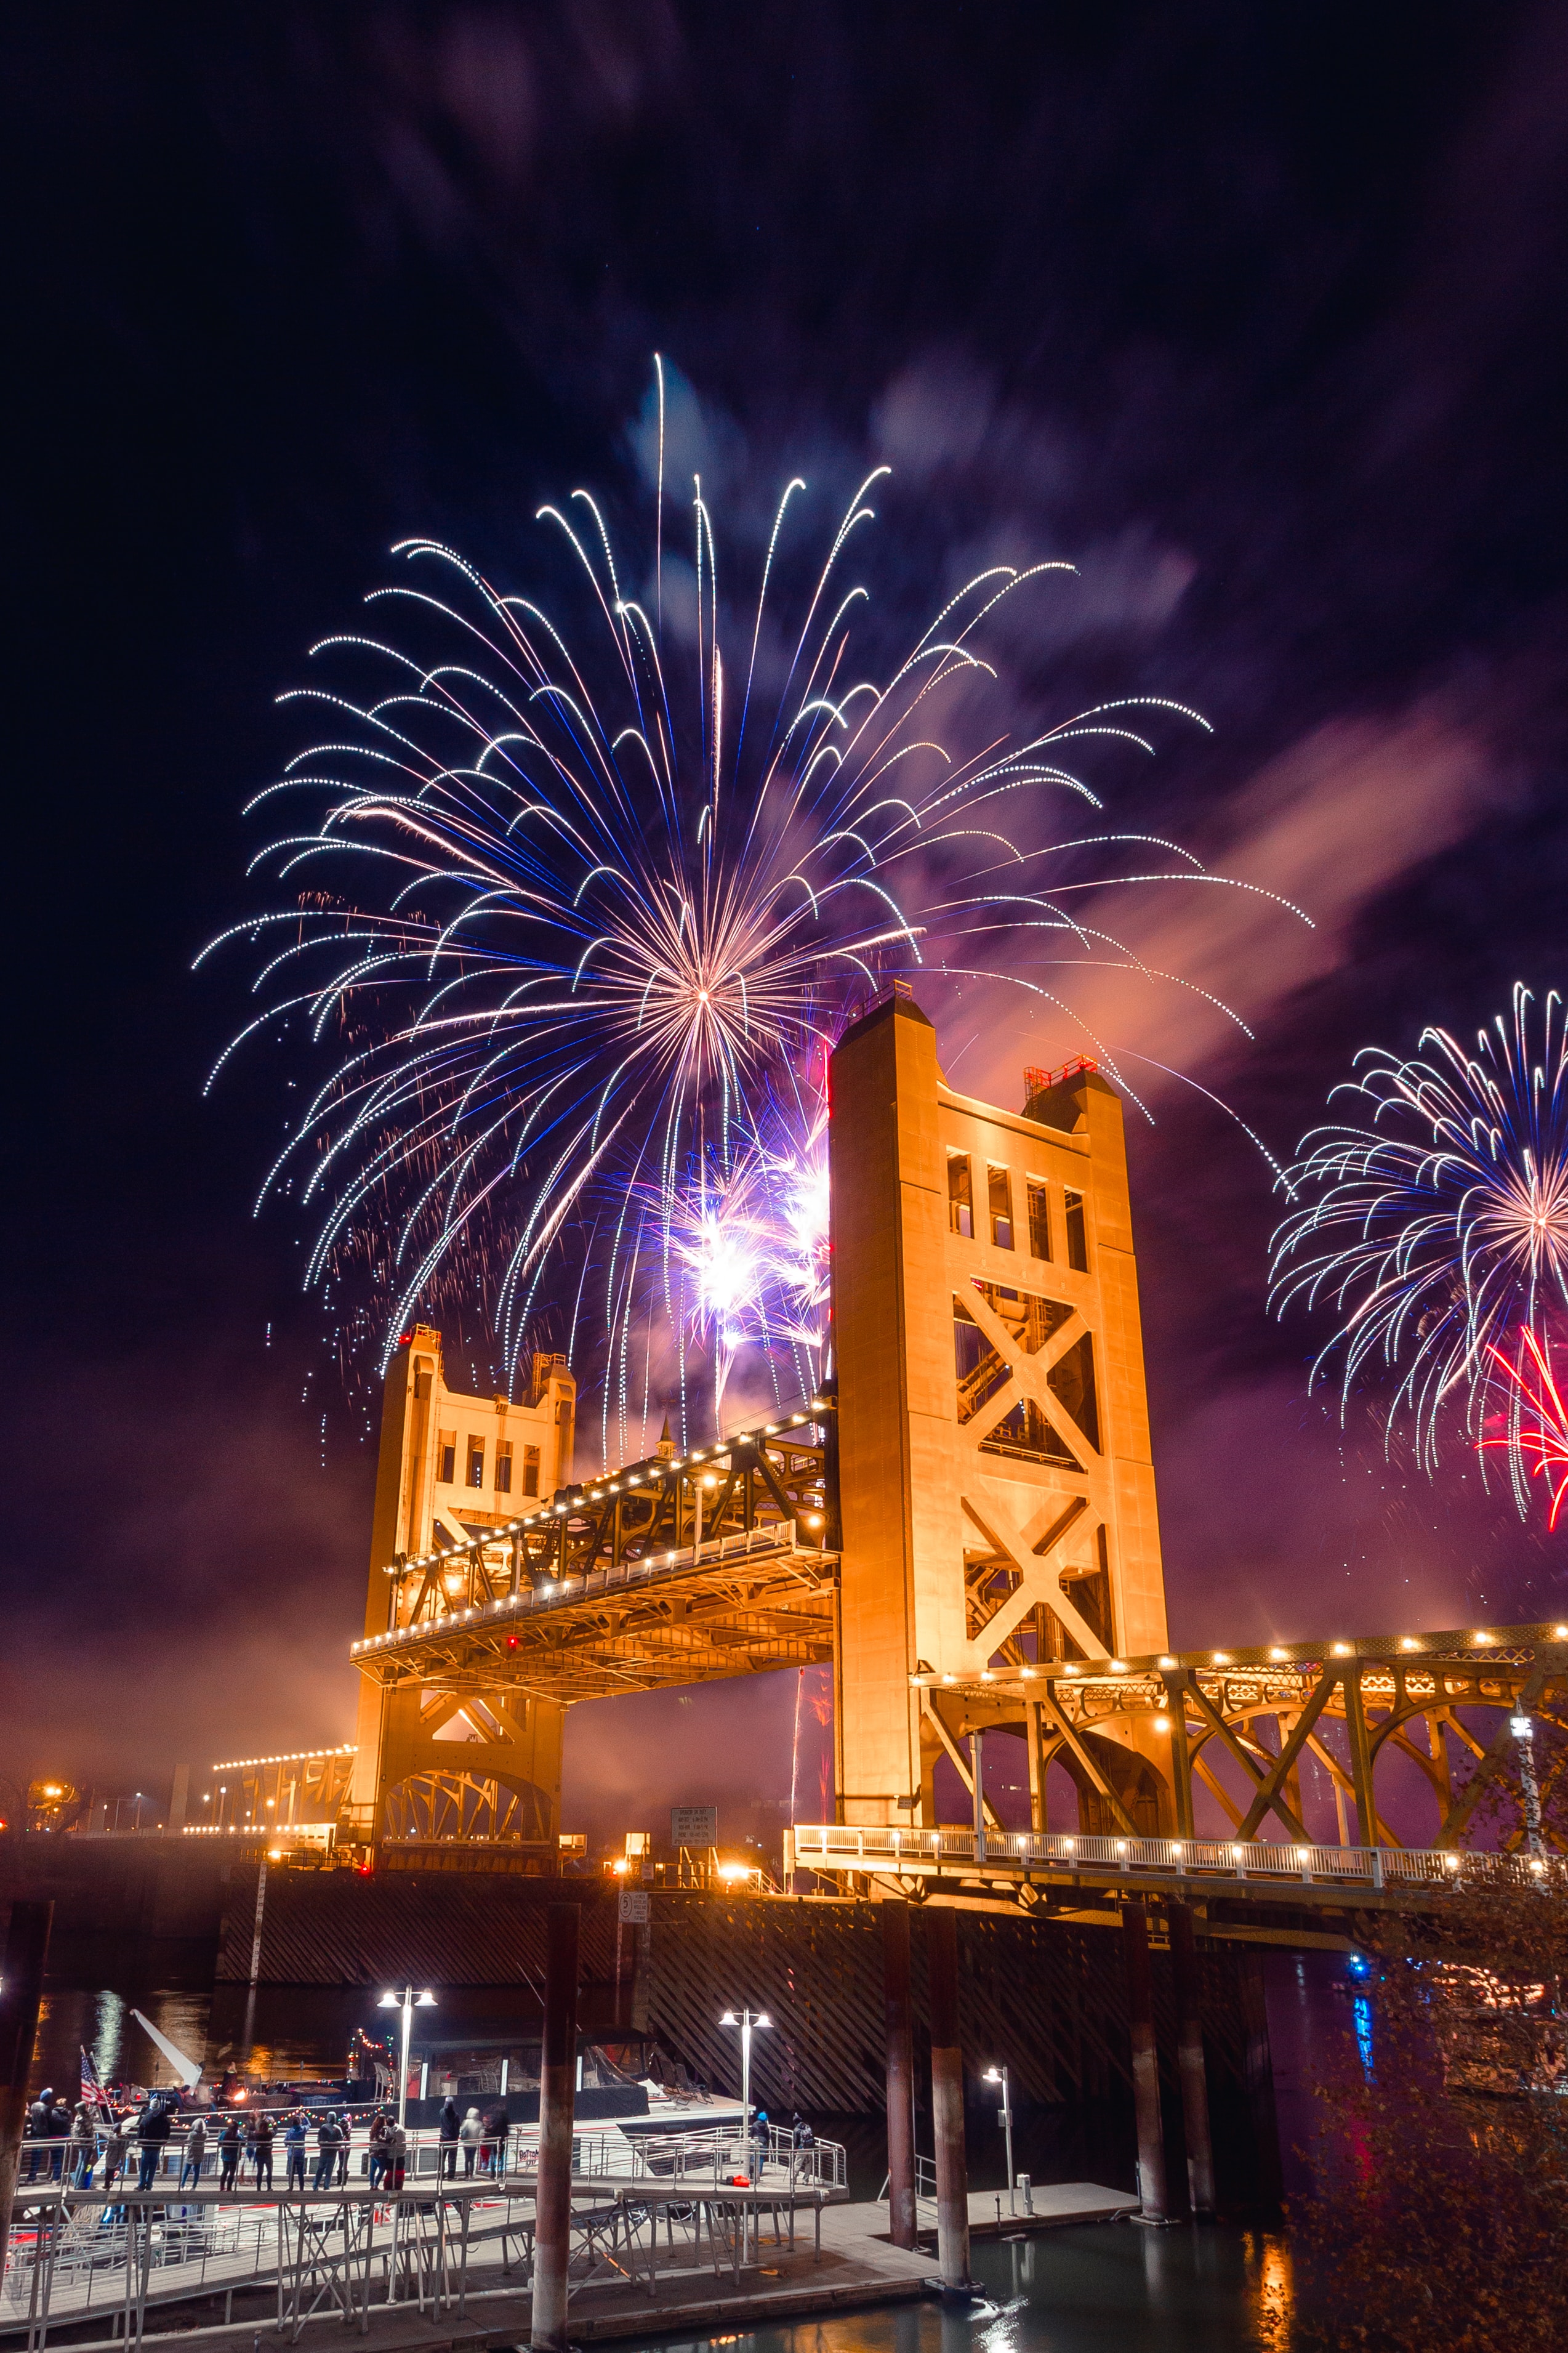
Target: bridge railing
x: 767, y: 1538
x: 852, y: 1846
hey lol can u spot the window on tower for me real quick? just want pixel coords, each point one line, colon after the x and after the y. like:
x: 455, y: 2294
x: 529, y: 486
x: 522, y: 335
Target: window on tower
x: 999, y: 1200
x: 960, y: 1195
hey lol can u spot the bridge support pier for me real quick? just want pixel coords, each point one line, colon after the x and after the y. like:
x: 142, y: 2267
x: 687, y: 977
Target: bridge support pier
x: 1190, y: 2061
x: 947, y: 2100
x: 1156, y: 2206
x: 553, y: 2191
x: 898, y: 2010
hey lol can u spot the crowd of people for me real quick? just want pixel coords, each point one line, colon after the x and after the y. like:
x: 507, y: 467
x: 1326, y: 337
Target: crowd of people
x: 88, y: 2146
x: 91, y: 2145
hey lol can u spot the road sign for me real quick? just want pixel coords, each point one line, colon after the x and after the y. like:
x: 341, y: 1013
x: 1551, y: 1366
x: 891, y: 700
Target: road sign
x: 633, y: 1906
x: 694, y: 1826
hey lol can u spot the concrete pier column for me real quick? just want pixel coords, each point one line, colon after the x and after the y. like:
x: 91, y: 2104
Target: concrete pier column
x: 557, y: 2081
x: 947, y: 2100
x: 21, y: 1993
x: 1190, y: 2061
x: 1146, y: 2064
x: 898, y: 2010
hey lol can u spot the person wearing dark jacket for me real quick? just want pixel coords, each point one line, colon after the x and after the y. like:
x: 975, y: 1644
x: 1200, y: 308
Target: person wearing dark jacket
x: 39, y: 2116
x: 229, y: 2149
x: 379, y: 2126
x: 329, y: 2140
x: 451, y: 2126
x: 153, y: 2129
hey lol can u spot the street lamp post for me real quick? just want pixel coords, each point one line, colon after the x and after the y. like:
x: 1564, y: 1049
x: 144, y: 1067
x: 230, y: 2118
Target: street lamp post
x: 746, y: 2020
x: 1523, y: 1733
x: 407, y: 2002
x: 1004, y: 2119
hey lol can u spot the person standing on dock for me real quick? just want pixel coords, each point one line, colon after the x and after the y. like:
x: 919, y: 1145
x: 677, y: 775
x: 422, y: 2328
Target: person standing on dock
x: 471, y: 2133
x: 153, y: 2129
x: 327, y: 2142
x: 114, y: 2149
x: 451, y: 2126
x: 294, y: 2149
x: 195, y: 2153
x: 263, y: 2151
x: 228, y: 2149
x: 378, y: 2131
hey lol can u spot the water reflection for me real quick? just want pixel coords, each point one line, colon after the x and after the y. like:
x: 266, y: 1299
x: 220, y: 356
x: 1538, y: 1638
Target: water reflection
x: 97, y: 2020
x: 1094, y: 2289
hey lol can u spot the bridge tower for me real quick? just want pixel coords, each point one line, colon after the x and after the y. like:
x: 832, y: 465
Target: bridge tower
x: 996, y: 1491
x: 482, y: 1760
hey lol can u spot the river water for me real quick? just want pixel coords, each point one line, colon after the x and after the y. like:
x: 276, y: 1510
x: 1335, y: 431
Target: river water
x: 1103, y: 2288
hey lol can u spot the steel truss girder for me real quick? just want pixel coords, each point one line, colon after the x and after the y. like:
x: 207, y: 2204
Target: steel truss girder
x: 708, y: 1617
x: 1374, y: 1689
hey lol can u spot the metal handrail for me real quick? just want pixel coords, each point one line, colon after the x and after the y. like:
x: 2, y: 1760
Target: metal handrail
x: 852, y: 1846
x: 607, y: 2155
x: 769, y: 1536
x: 337, y: 2252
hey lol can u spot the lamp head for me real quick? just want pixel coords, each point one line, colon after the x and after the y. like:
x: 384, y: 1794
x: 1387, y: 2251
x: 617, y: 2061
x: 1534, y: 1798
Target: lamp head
x: 389, y: 2001
x: 426, y: 2001
x: 991, y: 2075
x: 762, y: 2019
x: 728, y: 2019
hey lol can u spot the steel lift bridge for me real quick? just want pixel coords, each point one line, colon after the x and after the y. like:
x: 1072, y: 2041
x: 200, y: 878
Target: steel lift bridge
x: 965, y: 1526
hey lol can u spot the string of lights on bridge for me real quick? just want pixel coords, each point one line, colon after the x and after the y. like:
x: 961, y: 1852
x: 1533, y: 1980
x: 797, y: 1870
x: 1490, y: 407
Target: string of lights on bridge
x: 1373, y: 1650
x: 631, y: 1481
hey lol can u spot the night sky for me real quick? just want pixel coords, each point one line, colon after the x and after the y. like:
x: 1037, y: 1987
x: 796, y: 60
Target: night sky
x: 1255, y: 313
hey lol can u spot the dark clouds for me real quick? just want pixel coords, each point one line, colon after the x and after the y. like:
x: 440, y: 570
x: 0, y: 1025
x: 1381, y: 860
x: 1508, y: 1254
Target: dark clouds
x: 1255, y: 317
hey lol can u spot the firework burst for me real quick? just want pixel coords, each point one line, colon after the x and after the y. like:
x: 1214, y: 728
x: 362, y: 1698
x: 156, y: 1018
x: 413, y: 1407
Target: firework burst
x: 1433, y: 1221
x: 570, y: 907
x: 1537, y: 1428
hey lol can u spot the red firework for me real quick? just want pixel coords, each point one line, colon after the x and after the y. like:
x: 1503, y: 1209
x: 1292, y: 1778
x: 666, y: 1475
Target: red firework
x: 1539, y: 1437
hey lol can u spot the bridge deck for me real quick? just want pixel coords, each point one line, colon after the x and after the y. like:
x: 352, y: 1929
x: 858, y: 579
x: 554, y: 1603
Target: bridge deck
x: 746, y: 1602
x: 1186, y: 1868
